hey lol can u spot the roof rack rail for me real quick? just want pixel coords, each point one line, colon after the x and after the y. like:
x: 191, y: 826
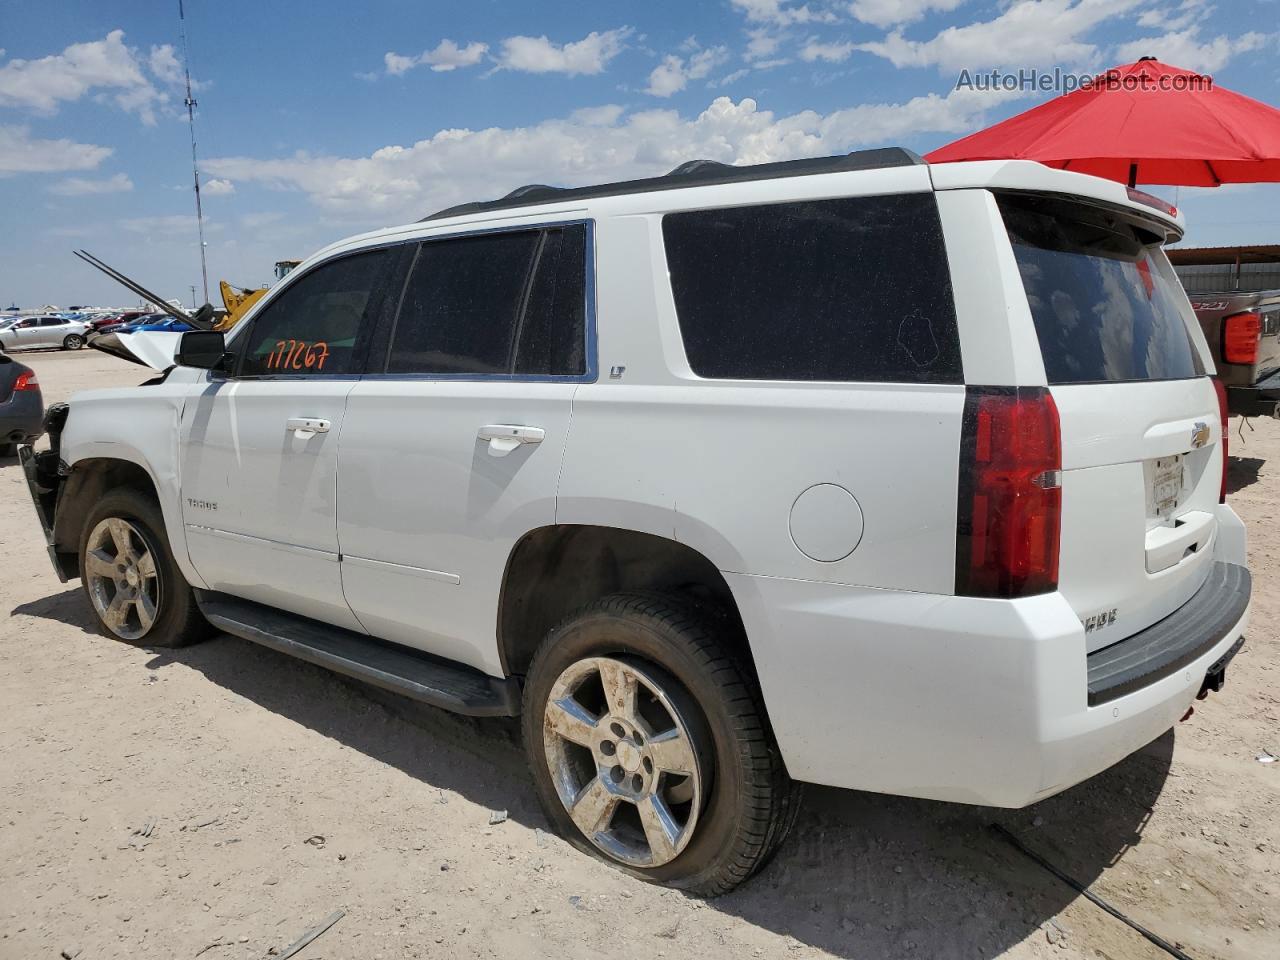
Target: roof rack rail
x: 692, y: 173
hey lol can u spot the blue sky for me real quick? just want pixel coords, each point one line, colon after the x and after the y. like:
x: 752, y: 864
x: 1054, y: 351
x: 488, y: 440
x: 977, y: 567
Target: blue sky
x: 323, y: 120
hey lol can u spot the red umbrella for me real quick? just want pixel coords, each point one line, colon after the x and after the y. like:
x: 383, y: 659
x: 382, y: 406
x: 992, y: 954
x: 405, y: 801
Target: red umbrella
x: 1146, y: 122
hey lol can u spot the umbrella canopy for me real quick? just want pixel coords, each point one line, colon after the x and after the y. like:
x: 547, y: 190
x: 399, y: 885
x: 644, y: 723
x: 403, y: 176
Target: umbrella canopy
x: 1146, y: 122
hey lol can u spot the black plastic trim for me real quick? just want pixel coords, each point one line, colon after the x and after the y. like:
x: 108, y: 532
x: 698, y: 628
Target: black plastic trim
x: 1259, y: 400
x: 694, y: 173
x: 403, y: 670
x: 1170, y: 644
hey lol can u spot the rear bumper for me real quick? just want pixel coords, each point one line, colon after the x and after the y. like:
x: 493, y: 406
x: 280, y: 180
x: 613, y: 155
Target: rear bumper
x: 949, y: 698
x: 21, y: 417
x: 1259, y: 400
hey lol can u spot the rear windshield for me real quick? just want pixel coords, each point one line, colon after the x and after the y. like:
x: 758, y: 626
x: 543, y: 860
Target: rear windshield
x: 1103, y: 308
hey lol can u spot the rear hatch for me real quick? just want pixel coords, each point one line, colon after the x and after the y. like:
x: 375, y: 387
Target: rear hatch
x: 1140, y: 421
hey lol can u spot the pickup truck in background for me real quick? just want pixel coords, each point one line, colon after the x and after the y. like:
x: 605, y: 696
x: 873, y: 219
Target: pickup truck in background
x: 1243, y: 330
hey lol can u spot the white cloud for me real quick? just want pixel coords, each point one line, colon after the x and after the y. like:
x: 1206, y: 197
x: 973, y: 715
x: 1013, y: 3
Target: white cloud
x: 1040, y: 32
x: 106, y: 68
x: 19, y: 153
x: 1183, y: 48
x: 401, y: 183
x: 166, y: 66
x: 830, y: 52
x: 762, y: 43
x: 218, y: 188
x: 729, y: 78
x: 590, y: 55
x: 1177, y: 17
x: 674, y: 73
x: 80, y: 186
x: 889, y: 13
x: 446, y: 56
x: 779, y: 13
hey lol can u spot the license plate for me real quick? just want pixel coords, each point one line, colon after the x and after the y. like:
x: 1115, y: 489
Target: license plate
x: 1166, y: 485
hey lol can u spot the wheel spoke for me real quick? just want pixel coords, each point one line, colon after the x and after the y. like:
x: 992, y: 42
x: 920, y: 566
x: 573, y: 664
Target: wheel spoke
x: 146, y: 608
x: 117, y: 611
x: 119, y: 531
x: 660, y: 828
x: 98, y: 564
x: 146, y: 565
x: 672, y: 753
x: 593, y: 807
x: 619, y: 689
x: 570, y: 719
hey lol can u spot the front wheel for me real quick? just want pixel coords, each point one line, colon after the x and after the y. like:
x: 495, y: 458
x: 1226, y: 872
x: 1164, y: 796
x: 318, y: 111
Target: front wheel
x: 129, y: 575
x: 72, y: 341
x: 650, y: 749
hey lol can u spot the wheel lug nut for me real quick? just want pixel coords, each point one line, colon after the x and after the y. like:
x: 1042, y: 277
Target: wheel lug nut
x: 618, y: 730
x: 608, y: 748
x: 648, y: 765
x: 616, y: 774
x: 637, y: 783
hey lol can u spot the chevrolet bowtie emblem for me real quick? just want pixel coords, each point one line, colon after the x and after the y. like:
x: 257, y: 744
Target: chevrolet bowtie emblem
x: 1199, y: 434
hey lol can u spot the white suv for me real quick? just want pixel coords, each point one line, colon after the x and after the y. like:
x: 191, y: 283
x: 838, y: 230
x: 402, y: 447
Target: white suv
x: 854, y: 471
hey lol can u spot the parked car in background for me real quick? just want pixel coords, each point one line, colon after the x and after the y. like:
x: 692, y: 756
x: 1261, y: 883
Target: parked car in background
x: 1243, y: 330
x: 44, y: 331
x: 21, y: 405
x: 127, y: 326
x: 162, y: 324
x: 115, y: 318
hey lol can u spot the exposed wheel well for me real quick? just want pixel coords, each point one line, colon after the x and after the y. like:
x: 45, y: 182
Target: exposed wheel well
x: 553, y: 571
x: 88, y: 482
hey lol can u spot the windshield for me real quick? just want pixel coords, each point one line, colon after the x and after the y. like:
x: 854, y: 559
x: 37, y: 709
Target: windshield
x: 1105, y: 304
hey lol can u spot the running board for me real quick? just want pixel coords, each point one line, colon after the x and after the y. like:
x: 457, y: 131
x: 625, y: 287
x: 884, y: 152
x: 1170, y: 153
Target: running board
x: 403, y: 670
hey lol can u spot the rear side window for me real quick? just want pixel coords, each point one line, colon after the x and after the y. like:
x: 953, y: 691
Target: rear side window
x: 500, y: 304
x: 1104, y: 304
x: 310, y: 329
x: 853, y: 289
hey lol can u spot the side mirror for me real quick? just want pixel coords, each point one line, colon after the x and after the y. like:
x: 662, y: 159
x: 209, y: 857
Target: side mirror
x: 202, y: 349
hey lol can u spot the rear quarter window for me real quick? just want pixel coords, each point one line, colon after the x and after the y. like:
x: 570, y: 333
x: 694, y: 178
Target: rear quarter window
x: 1105, y: 304
x: 851, y: 289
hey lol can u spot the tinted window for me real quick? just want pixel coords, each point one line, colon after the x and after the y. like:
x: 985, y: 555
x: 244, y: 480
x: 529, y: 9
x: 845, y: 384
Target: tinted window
x: 501, y: 303
x: 1105, y: 305
x: 848, y: 289
x: 53, y: 322
x: 552, y: 335
x: 312, y: 326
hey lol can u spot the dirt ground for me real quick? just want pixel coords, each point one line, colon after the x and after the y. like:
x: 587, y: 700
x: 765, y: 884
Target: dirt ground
x: 218, y: 801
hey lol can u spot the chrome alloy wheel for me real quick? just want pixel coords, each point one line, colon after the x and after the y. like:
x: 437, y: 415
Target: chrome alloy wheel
x: 623, y: 760
x: 120, y: 572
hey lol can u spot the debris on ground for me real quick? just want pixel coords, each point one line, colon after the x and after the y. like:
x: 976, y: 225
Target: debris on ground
x: 497, y: 816
x: 312, y: 933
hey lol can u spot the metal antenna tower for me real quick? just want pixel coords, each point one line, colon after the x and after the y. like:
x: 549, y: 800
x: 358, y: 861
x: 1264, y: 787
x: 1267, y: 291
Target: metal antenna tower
x: 195, y: 169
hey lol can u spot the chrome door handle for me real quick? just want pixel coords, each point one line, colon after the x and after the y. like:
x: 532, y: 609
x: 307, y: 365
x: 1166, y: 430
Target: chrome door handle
x: 505, y: 437
x: 307, y: 427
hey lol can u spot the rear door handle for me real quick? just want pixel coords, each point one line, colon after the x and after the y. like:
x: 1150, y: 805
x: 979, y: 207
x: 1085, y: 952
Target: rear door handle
x: 307, y: 427
x: 505, y: 437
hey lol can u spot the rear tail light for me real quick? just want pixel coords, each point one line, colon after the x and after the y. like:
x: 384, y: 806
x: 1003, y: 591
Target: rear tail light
x: 1010, y: 510
x: 26, y: 381
x: 1222, y: 415
x: 1241, y: 333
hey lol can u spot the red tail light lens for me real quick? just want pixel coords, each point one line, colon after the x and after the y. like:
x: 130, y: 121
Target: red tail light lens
x: 1222, y: 415
x: 1241, y: 333
x: 1010, y: 511
x: 26, y: 381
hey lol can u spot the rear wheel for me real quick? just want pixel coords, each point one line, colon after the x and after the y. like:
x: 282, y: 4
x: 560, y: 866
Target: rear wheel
x: 72, y: 341
x: 650, y: 749
x: 129, y: 575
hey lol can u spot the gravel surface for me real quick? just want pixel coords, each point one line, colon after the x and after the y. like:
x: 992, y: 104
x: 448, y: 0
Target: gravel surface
x: 221, y: 800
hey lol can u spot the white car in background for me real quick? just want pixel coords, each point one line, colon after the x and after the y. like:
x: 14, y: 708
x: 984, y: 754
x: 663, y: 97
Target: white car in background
x: 853, y: 471
x: 44, y: 331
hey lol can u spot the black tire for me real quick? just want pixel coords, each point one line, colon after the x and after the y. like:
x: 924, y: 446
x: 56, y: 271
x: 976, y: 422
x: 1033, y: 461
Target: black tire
x: 72, y: 341
x: 178, y: 620
x: 8, y: 449
x: 751, y: 803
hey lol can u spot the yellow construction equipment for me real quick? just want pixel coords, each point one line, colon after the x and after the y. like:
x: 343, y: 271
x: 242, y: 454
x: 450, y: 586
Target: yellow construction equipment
x: 238, y: 300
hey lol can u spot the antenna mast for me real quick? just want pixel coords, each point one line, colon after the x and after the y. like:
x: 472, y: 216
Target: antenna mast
x: 195, y: 169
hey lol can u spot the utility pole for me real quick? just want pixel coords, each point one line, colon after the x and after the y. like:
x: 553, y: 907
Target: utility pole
x: 195, y: 169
